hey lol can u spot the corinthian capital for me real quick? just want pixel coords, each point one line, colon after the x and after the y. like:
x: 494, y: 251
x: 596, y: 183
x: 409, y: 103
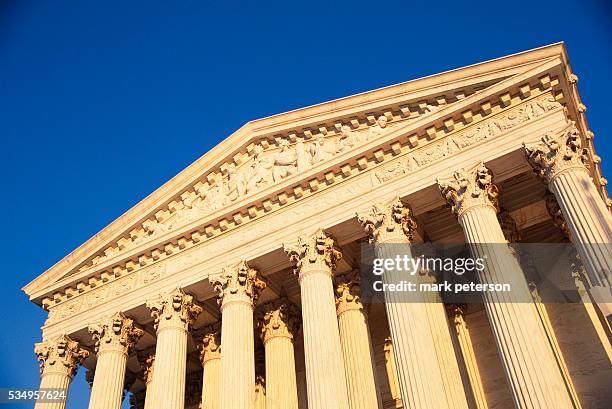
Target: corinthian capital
x: 557, y: 152
x: 389, y: 223
x: 278, y: 318
x: 317, y: 252
x: 146, y: 360
x: 115, y: 333
x: 210, y: 348
x: 348, y: 292
x: 240, y: 282
x: 61, y: 355
x: 556, y: 214
x: 470, y: 188
x: 174, y: 309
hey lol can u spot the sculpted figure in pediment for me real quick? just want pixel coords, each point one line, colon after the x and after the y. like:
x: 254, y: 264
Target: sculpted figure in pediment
x: 260, y: 171
x: 319, y: 151
x: 236, y: 184
x: 378, y: 129
x: 213, y: 197
x: 285, y: 161
x: 348, y: 139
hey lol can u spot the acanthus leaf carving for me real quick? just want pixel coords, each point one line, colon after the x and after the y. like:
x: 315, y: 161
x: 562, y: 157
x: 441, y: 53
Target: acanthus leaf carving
x: 314, y: 253
x: 388, y: 223
x: 239, y: 282
x: 556, y: 153
x: 60, y: 355
x: 115, y: 333
x: 210, y: 347
x: 278, y: 318
x: 469, y: 188
x: 174, y: 309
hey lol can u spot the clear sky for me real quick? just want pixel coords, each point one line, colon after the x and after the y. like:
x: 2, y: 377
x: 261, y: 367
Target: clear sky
x: 102, y: 102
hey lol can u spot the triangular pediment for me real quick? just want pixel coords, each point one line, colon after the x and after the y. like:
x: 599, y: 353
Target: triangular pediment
x: 271, y: 160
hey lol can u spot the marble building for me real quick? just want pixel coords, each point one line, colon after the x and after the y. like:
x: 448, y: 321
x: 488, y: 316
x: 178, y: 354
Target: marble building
x: 235, y: 285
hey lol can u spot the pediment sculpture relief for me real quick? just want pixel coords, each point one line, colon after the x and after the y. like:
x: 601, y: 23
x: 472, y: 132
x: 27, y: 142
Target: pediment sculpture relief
x: 271, y: 162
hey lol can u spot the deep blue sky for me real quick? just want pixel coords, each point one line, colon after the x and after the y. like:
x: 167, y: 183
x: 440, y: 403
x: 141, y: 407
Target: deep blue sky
x: 102, y: 102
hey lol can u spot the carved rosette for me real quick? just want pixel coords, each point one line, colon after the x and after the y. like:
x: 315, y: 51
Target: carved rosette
x: 61, y: 355
x: 115, y: 333
x: 175, y: 309
x: 146, y: 360
x: 391, y: 223
x: 315, y: 253
x: 278, y: 318
x: 556, y: 153
x: 210, y: 348
x: 348, y: 292
x: 239, y: 283
x: 470, y: 188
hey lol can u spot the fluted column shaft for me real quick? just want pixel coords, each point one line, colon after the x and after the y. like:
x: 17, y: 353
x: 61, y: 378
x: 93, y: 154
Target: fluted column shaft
x: 59, y: 360
x: 315, y: 257
x: 281, y: 384
x: 469, y: 357
x: 107, y: 389
x: 428, y: 376
x: 174, y: 313
x: 530, y: 366
x: 588, y: 220
x: 114, y: 337
x: 237, y: 356
x: 529, y: 362
x: 419, y: 375
x: 391, y: 369
x: 279, y: 322
x: 238, y: 288
x: 210, y: 357
x: 562, y: 162
x: 210, y: 387
x: 356, y: 345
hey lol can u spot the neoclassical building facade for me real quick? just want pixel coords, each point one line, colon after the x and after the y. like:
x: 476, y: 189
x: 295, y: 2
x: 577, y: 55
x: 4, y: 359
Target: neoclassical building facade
x: 235, y: 285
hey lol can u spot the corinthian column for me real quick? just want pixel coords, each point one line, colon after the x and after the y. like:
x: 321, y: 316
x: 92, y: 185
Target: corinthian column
x: 530, y: 366
x: 174, y: 313
x: 114, y: 337
x: 210, y: 356
x: 427, y: 371
x: 356, y: 344
x: 238, y: 288
x: 469, y: 357
x: 315, y: 258
x: 562, y: 162
x: 279, y: 322
x: 59, y: 359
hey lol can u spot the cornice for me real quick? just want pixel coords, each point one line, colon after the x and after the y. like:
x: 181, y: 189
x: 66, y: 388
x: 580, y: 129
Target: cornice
x: 318, y: 176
